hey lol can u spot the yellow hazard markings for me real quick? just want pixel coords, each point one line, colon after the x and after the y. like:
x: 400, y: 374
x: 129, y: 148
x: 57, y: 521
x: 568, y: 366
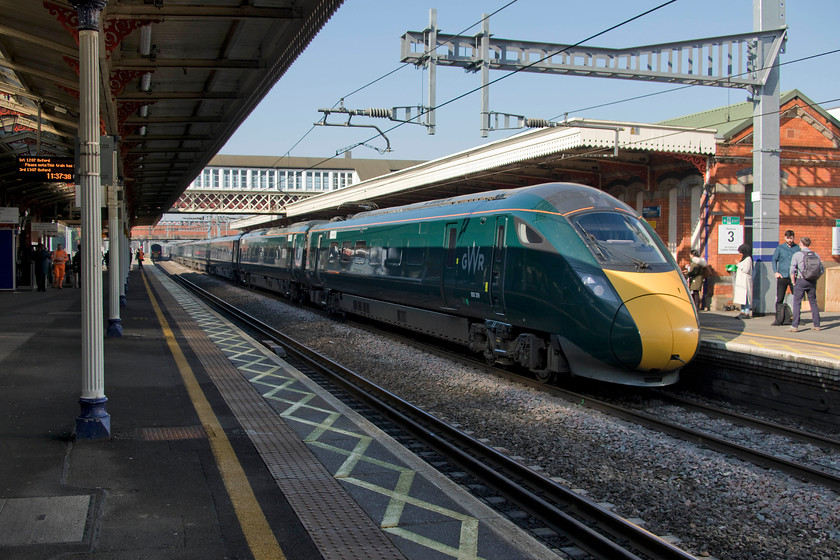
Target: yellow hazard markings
x: 810, y: 348
x: 258, y: 534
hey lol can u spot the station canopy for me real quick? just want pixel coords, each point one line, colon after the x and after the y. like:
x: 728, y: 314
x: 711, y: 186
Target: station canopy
x: 177, y: 79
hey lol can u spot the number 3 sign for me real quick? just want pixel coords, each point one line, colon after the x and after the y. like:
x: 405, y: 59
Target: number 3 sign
x: 729, y: 239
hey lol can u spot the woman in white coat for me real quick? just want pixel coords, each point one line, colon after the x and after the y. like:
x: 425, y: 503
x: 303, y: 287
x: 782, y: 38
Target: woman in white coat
x: 743, y: 294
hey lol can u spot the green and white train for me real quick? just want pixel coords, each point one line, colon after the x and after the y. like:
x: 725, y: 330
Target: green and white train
x: 559, y: 278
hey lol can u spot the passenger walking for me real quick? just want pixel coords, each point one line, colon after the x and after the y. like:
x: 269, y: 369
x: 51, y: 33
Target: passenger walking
x: 140, y: 257
x: 781, y: 269
x: 743, y: 294
x: 805, y: 269
x: 42, y: 266
x: 696, y: 273
x: 59, y: 259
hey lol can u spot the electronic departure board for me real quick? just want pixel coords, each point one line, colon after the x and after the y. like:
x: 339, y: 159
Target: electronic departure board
x: 49, y: 169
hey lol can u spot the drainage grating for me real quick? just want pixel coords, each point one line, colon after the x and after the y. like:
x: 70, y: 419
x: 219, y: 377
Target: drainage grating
x: 172, y: 433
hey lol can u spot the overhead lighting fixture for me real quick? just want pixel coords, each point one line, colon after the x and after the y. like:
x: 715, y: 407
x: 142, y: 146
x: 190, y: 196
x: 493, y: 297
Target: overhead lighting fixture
x: 145, y: 40
x: 8, y: 123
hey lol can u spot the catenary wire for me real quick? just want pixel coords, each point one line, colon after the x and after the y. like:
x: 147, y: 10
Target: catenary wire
x: 505, y: 76
x: 394, y: 71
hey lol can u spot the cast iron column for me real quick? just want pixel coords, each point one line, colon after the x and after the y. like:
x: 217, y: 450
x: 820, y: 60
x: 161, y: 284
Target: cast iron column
x: 93, y: 422
x: 114, y: 278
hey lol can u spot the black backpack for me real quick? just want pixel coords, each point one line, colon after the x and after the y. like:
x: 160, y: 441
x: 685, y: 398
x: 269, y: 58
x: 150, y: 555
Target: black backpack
x: 811, y: 266
x: 784, y: 315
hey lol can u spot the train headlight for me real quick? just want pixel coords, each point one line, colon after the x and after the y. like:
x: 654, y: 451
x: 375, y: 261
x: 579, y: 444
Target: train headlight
x: 598, y: 286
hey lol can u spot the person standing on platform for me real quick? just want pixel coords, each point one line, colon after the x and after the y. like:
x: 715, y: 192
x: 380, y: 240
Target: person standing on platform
x: 140, y: 257
x: 696, y: 274
x: 805, y: 269
x: 59, y: 259
x: 743, y: 294
x: 42, y: 266
x: 781, y: 269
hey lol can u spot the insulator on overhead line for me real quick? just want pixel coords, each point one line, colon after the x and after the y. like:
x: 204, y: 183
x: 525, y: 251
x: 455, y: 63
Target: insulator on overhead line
x: 537, y: 123
x: 378, y: 113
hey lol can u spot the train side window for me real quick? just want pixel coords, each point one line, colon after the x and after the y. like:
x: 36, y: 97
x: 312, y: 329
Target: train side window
x: 451, y: 247
x: 415, y: 252
x: 361, y: 252
x: 500, y: 242
x: 393, y: 256
x: 346, y: 252
x: 375, y: 256
x: 527, y: 235
x: 333, y: 251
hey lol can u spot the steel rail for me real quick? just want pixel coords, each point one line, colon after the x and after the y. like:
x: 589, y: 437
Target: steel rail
x: 814, y: 439
x: 495, y: 468
x: 766, y: 460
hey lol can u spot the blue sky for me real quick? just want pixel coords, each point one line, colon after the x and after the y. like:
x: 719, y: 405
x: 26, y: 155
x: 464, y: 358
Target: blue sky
x: 362, y: 43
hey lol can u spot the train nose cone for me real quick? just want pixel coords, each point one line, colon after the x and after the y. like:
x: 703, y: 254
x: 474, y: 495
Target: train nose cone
x: 667, y: 330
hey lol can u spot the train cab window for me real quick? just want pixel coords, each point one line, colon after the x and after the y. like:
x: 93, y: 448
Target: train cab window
x: 527, y: 235
x: 346, y: 252
x: 360, y: 254
x: 333, y: 251
x: 620, y: 240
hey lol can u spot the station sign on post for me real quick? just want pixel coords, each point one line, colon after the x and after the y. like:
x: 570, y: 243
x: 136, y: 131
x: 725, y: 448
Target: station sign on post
x: 46, y: 229
x: 730, y: 235
x: 9, y: 215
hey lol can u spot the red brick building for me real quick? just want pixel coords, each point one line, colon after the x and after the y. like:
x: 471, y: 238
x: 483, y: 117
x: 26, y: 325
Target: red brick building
x: 722, y: 187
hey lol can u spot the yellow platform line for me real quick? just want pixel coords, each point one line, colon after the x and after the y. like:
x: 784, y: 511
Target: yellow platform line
x: 771, y: 337
x: 825, y: 350
x: 258, y: 534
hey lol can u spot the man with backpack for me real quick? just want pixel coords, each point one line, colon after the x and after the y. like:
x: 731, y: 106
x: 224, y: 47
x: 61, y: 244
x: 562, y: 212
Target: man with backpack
x: 805, y: 269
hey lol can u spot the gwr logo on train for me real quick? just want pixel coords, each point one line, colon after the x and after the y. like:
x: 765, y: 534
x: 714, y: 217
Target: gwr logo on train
x: 473, y: 259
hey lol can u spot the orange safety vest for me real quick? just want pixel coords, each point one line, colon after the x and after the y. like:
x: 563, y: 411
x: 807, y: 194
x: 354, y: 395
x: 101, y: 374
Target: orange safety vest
x: 60, y: 257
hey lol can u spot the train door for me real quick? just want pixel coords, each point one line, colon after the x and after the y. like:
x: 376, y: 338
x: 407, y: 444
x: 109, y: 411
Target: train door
x: 313, y: 262
x: 450, y: 266
x: 497, y: 268
x: 299, y: 257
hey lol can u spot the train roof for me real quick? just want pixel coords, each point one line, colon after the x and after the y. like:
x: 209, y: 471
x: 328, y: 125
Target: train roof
x: 560, y: 198
x: 293, y: 228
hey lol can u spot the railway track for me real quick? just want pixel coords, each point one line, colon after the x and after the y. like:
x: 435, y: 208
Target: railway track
x: 814, y: 473
x: 589, y: 526
x: 828, y: 477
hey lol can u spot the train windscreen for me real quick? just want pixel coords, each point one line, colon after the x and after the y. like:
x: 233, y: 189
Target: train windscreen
x: 620, y: 241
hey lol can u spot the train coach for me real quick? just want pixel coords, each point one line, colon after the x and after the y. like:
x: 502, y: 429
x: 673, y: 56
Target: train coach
x: 561, y: 279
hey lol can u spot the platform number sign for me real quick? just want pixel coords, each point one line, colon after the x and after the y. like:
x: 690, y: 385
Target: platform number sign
x: 835, y: 238
x: 730, y: 235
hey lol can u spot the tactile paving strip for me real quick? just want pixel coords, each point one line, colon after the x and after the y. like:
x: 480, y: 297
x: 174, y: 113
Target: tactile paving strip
x: 424, y: 520
x: 336, y: 524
